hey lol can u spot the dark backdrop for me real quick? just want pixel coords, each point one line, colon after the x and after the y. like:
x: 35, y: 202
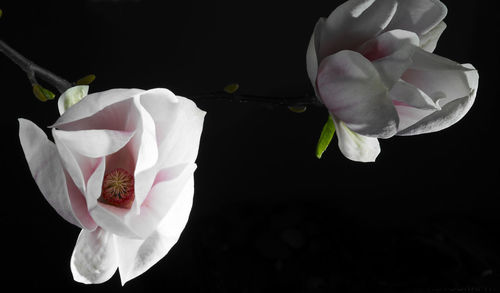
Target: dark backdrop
x: 267, y: 214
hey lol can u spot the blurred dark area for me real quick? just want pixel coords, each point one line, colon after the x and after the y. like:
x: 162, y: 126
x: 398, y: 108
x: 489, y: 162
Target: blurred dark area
x: 267, y: 214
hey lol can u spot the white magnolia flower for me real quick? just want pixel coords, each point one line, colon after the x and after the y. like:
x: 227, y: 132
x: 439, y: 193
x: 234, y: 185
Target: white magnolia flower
x: 371, y: 64
x: 121, y: 168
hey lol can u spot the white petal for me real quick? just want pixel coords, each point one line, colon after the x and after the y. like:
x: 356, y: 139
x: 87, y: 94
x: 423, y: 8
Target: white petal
x: 47, y: 170
x: 137, y: 256
x: 353, y: 23
x: 94, y: 259
x: 354, y: 146
x: 353, y: 91
x: 419, y: 16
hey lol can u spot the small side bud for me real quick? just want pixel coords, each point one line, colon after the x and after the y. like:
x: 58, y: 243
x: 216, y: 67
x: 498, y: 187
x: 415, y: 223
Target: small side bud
x: 86, y: 80
x: 297, y: 109
x: 42, y: 94
x: 231, y: 88
x: 37, y: 91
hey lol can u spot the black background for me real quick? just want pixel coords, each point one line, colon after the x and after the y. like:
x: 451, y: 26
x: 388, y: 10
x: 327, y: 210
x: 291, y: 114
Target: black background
x: 267, y: 214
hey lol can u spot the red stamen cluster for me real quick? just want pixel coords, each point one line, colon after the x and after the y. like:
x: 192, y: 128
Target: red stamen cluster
x: 118, y: 189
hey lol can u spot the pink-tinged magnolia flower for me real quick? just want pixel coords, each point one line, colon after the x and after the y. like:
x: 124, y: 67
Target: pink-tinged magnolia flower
x: 371, y: 64
x: 121, y: 168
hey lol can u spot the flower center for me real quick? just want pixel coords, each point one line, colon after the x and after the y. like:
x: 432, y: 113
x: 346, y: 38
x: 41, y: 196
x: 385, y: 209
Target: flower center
x: 118, y: 189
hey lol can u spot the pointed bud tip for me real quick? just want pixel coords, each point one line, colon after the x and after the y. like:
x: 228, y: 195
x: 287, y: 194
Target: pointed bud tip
x: 297, y: 109
x: 86, y: 80
x: 231, y: 88
x: 38, y: 92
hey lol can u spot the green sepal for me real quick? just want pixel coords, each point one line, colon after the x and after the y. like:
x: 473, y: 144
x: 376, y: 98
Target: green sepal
x: 326, y: 137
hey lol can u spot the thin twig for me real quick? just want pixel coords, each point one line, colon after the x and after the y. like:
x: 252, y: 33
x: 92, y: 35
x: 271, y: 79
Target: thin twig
x: 33, y: 70
x: 243, y: 98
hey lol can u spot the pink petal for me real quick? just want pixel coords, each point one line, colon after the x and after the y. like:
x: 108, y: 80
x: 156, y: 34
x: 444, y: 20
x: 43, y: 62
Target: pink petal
x: 390, y: 53
x: 47, y: 170
x: 93, y: 103
x: 94, y: 259
x: 354, y: 93
x: 111, y: 117
x: 93, y: 143
x: 353, y: 23
x: 168, y: 186
x: 178, y: 123
x: 137, y: 256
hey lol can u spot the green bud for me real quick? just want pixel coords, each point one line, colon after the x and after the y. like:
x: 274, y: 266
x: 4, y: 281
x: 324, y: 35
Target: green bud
x: 297, y: 109
x: 37, y: 91
x: 231, y: 88
x: 42, y: 94
x: 1, y: 12
x: 325, y: 137
x: 48, y: 94
x: 86, y: 80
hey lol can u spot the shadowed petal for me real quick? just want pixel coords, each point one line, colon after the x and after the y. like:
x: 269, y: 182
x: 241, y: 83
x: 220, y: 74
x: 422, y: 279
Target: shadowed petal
x: 428, y: 41
x: 419, y: 16
x: 353, y: 23
x: 353, y: 92
x: 312, y: 53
